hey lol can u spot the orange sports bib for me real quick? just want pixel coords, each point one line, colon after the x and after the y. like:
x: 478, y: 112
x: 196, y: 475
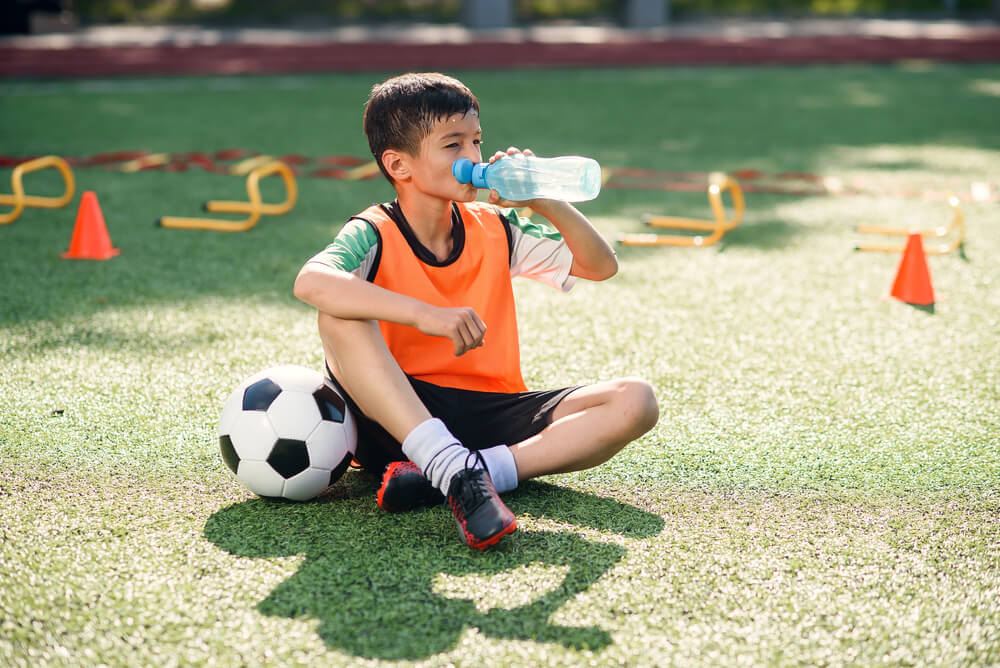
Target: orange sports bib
x: 479, y: 277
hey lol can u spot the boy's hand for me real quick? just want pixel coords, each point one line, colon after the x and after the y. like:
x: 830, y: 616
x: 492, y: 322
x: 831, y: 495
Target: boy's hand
x: 462, y: 325
x: 494, y: 195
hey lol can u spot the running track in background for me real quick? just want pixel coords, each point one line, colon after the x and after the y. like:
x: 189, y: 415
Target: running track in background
x: 17, y: 60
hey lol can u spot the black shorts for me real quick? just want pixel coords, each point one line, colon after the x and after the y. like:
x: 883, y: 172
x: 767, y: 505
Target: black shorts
x: 477, y: 419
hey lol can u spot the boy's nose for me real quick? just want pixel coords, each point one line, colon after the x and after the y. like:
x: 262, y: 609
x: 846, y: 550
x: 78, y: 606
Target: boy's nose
x: 475, y: 154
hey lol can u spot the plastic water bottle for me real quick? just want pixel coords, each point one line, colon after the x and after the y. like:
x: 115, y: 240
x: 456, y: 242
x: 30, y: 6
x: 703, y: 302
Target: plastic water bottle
x: 521, y: 177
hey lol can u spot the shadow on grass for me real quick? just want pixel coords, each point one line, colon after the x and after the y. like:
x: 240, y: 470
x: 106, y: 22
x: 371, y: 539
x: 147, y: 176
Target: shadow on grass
x: 374, y: 580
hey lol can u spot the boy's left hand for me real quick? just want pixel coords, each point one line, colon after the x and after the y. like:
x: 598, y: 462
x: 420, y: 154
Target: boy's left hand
x: 494, y: 195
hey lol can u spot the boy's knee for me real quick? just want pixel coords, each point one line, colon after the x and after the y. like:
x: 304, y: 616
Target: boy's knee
x: 332, y: 328
x: 639, y: 405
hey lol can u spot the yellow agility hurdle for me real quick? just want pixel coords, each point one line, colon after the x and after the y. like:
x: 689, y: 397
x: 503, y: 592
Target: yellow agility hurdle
x: 255, y: 208
x: 956, y: 225
x: 718, y: 183
x: 19, y: 200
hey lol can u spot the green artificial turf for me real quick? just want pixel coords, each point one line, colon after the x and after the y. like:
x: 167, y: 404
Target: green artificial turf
x: 822, y: 488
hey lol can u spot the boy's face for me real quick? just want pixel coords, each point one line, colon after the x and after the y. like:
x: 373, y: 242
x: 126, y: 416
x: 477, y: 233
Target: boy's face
x: 458, y: 136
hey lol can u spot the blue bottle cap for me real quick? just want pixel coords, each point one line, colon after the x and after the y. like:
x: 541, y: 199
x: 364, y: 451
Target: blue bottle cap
x: 461, y: 169
x: 466, y: 171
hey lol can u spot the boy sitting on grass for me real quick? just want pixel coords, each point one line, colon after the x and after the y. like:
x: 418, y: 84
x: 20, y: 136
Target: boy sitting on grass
x: 416, y: 316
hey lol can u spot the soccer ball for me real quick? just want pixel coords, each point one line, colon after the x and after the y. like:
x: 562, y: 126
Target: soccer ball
x: 286, y: 432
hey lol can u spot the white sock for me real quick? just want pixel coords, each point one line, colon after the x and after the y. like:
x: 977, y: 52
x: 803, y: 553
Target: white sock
x: 437, y: 452
x: 500, y: 463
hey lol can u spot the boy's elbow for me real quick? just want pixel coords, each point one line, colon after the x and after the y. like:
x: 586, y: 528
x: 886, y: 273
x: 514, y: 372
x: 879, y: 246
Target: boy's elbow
x: 612, y: 268
x: 608, y: 268
x: 303, y: 286
x: 596, y: 271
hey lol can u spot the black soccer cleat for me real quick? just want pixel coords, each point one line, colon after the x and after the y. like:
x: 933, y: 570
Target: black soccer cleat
x: 482, y: 517
x: 404, y: 487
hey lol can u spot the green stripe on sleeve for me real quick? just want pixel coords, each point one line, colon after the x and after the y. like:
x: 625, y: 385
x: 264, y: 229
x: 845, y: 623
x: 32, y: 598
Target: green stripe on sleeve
x: 531, y: 228
x: 353, y: 248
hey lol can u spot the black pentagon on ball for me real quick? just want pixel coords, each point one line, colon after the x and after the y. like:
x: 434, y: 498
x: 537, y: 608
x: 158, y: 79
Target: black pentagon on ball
x: 260, y: 395
x: 229, y: 455
x: 330, y: 404
x: 289, y: 457
x: 337, y: 472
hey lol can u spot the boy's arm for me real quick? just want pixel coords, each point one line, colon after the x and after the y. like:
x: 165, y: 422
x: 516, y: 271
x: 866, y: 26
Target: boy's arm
x: 345, y: 296
x: 593, y: 257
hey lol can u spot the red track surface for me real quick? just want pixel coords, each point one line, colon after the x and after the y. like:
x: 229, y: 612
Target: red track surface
x: 352, y: 57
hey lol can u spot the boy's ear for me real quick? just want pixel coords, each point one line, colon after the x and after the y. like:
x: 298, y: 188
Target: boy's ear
x: 396, y: 163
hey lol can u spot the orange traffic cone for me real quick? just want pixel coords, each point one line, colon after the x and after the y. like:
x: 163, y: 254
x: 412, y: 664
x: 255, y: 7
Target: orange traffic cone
x: 90, y: 235
x: 913, y: 278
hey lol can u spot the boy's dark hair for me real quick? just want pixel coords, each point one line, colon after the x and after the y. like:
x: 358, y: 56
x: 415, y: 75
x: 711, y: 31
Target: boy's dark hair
x: 402, y: 111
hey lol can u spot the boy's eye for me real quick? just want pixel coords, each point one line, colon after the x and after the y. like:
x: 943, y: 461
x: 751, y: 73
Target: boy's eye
x: 456, y: 144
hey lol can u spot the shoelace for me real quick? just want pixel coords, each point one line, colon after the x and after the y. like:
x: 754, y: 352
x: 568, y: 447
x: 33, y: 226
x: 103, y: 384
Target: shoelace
x: 477, y: 488
x: 477, y: 458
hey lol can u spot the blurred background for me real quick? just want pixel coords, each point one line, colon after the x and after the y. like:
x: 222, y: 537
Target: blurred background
x: 40, y: 16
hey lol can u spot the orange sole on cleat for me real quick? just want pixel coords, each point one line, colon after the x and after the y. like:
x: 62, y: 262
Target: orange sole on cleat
x: 494, y: 539
x: 389, y: 471
x: 417, y: 497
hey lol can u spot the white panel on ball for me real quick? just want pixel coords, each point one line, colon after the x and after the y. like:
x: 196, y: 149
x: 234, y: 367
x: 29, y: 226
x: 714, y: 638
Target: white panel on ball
x: 293, y: 415
x: 230, y: 411
x: 329, y: 443
x: 252, y: 435
x: 260, y: 478
x: 298, y: 378
x: 308, y: 484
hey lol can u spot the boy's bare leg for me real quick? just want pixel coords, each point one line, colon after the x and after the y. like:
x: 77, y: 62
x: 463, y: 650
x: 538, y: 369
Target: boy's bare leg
x: 589, y: 426
x: 362, y: 363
